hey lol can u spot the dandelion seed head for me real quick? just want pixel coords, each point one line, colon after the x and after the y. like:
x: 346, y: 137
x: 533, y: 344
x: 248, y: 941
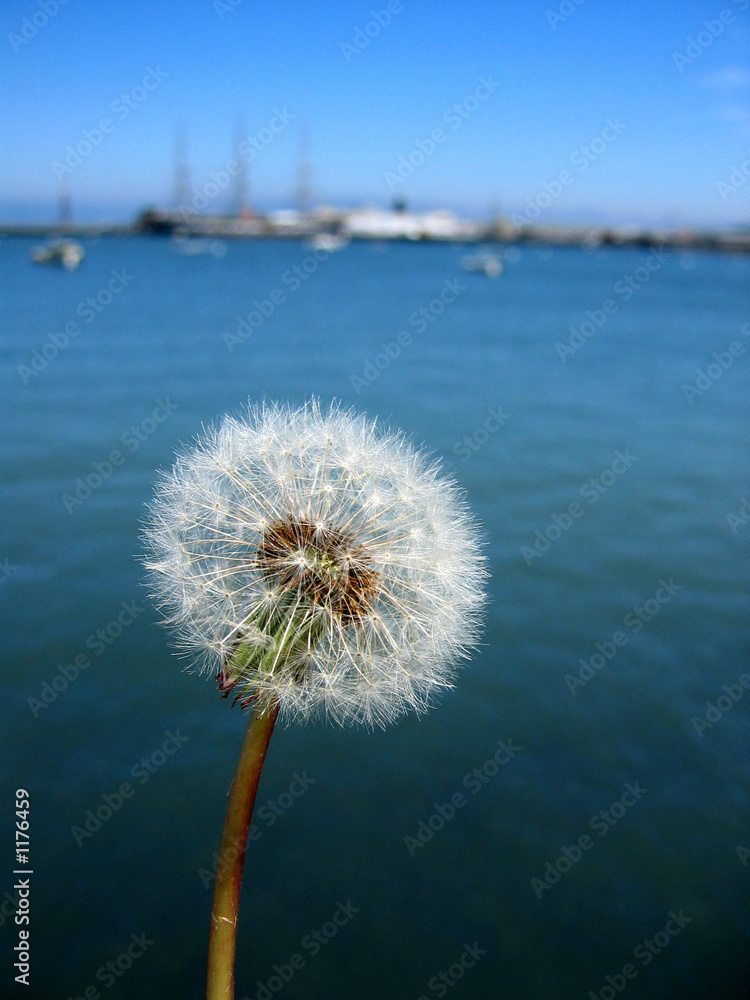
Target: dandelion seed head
x: 316, y: 561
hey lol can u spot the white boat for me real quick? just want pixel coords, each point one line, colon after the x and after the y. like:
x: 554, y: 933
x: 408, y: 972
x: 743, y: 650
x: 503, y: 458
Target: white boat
x: 196, y: 246
x: 64, y: 253
x: 329, y: 242
x: 490, y: 264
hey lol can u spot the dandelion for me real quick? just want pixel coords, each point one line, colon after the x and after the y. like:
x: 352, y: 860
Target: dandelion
x: 317, y: 564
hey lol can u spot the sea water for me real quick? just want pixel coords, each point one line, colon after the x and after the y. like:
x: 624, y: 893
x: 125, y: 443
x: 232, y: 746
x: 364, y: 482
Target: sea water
x: 572, y: 819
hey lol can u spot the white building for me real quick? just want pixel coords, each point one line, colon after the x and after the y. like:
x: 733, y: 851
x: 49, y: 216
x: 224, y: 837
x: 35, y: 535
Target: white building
x: 376, y: 224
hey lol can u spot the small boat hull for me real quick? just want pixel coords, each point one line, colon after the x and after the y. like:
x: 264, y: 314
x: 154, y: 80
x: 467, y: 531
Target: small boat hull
x: 484, y: 263
x: 62, y: 253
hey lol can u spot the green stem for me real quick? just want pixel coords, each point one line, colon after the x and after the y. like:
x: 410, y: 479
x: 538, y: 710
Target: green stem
x: 223, y: 935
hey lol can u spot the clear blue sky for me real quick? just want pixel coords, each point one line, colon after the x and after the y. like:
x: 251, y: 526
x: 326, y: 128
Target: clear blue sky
x: 686, y: 126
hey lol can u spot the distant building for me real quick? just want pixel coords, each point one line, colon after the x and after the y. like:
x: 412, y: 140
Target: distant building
x: 376, y: 224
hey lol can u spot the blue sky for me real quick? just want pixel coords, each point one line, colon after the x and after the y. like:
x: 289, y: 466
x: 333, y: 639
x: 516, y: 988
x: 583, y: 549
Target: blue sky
x: 559, y: 71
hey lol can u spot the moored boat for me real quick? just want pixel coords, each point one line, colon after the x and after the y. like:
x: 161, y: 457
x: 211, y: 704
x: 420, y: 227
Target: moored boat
x: 63, y: 253
x: 490, y: 264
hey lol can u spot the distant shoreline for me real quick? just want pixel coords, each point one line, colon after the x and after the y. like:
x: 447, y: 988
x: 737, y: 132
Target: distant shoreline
x: 496, y: 234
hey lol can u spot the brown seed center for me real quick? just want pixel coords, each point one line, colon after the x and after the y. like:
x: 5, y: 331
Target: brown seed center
x: 321, y: 562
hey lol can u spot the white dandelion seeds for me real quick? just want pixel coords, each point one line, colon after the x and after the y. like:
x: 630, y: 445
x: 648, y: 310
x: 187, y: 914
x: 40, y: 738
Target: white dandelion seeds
x: 317, y: 563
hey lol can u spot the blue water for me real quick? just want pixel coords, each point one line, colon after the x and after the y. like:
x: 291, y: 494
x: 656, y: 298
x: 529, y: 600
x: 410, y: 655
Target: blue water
x: 651, y: 532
